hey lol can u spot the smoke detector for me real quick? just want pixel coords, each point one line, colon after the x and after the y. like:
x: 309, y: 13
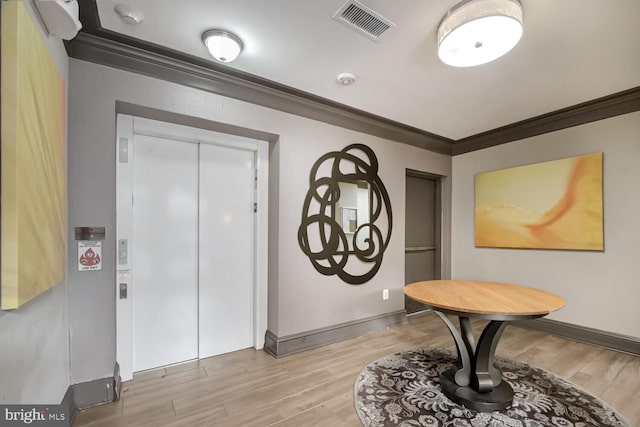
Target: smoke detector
x: 346, y: 79
x: 129, y: 14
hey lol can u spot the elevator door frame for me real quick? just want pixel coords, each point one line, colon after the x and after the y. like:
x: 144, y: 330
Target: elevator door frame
x: 126, y: 127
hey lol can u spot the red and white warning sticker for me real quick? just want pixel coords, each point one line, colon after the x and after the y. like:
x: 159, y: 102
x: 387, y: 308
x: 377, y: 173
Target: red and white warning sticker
x: 89, y: 256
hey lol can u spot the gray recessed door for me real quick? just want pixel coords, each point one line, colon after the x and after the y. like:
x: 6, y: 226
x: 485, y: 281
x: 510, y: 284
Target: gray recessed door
x: 421, y: 234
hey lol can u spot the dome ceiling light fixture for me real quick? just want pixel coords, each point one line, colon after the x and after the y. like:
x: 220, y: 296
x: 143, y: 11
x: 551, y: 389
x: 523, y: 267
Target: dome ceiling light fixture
x: 223, y: 45
x: 475, y: 32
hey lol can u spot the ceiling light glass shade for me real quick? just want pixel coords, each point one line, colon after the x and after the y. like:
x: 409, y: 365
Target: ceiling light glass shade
x: 478, y: 31
x: 223, y: 45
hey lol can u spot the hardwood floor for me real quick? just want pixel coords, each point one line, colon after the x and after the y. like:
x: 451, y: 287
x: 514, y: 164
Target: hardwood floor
x: 315, y: 388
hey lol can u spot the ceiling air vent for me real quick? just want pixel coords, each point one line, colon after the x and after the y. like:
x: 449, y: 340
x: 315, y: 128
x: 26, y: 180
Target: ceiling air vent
x: 365, y: 21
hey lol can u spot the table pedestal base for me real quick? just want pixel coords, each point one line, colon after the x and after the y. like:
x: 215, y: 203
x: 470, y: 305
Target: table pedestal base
x: 498, y: 399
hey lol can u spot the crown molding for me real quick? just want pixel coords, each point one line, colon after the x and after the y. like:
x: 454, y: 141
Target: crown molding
x: 99, y: 45
x: 616, y: 104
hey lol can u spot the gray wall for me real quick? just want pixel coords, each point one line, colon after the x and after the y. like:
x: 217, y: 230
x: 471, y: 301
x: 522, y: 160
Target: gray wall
x: 300, y: 299
x: 34, y: 339
x: 601, y: 288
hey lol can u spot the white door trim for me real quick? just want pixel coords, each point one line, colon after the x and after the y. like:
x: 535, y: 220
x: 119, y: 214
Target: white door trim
x: 126, y: 127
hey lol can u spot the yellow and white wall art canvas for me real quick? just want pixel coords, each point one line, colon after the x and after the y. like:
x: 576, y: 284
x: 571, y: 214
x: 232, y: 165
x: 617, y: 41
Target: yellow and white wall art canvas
x: 33, y: 195
x: 550, y: 205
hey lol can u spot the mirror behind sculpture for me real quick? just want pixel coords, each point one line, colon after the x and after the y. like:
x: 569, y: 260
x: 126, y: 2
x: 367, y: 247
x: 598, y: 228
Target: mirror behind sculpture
x: 346, y: 217
x: 352, y: 210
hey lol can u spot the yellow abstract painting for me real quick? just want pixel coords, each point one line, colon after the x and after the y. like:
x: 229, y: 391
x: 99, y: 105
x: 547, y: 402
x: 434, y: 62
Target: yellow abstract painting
x: 549, y: 205
x: 33, y: 185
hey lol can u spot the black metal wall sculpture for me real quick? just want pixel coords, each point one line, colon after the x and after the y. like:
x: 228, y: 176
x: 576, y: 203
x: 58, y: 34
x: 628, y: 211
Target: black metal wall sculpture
x: 343, y: 240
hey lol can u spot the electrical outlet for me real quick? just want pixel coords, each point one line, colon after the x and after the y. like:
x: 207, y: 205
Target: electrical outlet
x: 385, y: 294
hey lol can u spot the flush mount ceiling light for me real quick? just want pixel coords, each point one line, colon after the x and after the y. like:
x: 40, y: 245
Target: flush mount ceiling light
x: 478, y: 31
x: 223, y: 45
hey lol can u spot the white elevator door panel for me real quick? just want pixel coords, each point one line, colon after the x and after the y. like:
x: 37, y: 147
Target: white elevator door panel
x: 226, y: 249
x: 165, y: 252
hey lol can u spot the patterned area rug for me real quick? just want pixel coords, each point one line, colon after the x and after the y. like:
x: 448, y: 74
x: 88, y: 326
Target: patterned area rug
x: 403, y: 389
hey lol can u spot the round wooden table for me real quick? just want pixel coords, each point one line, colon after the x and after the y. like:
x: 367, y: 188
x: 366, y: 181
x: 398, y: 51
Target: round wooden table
x: 476, y: 383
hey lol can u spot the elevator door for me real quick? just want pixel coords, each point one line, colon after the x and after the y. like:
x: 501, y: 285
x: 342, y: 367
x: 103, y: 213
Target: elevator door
x: 421, y: 237
x: 193, y: 251
x: 165, y: 252
x: 227, y: 187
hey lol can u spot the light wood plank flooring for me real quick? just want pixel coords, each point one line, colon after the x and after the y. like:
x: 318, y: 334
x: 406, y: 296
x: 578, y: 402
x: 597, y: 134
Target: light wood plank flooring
x: 315, y: 388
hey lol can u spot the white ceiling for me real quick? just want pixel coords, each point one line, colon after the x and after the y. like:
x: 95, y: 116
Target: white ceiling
x: 572, y: 51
